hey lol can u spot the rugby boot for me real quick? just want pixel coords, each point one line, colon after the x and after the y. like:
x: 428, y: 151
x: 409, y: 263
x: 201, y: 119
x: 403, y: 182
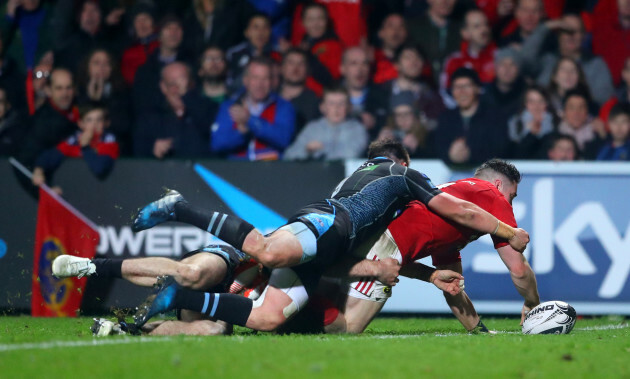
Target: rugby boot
x: 65, y: 266
x: 161, y: 300
x: 157, y: 212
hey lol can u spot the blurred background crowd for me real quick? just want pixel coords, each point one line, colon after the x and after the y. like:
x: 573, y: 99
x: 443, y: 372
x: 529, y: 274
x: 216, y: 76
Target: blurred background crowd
x: 458, y: 80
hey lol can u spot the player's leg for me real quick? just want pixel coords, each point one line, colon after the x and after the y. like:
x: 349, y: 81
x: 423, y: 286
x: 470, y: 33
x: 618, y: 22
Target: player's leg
x: 460, y: 304
x: 190, y: 323
x: 193, y: 328
x: 198, y: 271
x: 292, y: 244
x: 363, y: 305
x: 173, y: 207
x: 284, y: 296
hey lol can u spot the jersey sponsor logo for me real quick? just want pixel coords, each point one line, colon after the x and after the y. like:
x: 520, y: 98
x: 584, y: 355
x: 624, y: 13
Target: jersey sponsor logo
x: 369, y: 167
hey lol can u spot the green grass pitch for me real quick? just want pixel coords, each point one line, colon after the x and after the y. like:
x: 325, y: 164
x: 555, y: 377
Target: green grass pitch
x: 390, y: 348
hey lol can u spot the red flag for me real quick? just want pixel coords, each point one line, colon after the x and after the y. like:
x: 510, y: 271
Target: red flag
x: 61, y: 229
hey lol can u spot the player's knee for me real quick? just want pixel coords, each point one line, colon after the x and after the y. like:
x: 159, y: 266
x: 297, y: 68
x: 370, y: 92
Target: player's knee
x: 210, y: 328
x: 191, y: 275
x: 271, y: 259
x: 272, y: 322
x: 354, y: 328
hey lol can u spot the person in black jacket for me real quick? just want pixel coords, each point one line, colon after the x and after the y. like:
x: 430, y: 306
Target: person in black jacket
x: 473, y: 132
x: 52, y: 123
x: 180, y: 127
x: 13, y: 126
x: 369, y: 103
x: 100, y: 82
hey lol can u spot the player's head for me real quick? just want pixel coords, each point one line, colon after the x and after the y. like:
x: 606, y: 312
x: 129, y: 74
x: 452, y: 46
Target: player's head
x: 504, y: 175
x: 389, y: 148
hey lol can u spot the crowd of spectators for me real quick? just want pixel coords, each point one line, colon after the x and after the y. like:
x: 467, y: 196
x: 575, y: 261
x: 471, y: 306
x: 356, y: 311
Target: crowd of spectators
x: 458, y: 80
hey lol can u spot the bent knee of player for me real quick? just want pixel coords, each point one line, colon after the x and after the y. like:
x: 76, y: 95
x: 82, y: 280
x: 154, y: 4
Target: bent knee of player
x: 338, y: 326
x: 190, y: 275
x: 355, y: 327
x: 209, y: 328
x: 270, y: 322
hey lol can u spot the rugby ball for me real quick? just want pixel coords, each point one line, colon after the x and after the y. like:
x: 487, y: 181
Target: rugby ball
x: 551, y: 317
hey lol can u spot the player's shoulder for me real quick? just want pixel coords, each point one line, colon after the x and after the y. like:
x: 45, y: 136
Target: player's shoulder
x: 379, y: 163
x: 471, y: 186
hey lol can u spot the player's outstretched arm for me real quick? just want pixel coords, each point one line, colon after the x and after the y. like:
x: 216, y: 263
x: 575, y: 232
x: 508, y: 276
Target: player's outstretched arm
x: 523, y: 277
x: 386, y: 271
x: 472, y: 216
x: 447, y: 280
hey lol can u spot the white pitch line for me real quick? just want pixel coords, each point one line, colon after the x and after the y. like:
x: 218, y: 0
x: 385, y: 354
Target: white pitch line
x: 82, y: 343
x: 147, y: 339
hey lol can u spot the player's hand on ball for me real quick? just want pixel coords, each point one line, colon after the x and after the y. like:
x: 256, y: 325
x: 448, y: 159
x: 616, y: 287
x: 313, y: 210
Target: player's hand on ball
x: 525, y: 311
x: 448, y: 281
x: 520, y: 240
x: 389, y: 269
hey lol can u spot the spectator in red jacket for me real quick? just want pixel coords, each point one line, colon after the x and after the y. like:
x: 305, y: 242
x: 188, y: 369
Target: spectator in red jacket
x: 611, y: 34
x: 347, y: 20
x: 477, y: 52
x: 92, y: 143
x: 322, y: 43
x: 145, y: 42
x: 392, y: 34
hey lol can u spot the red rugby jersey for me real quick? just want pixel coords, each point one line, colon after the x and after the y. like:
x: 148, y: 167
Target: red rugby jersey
x: 418, y: 232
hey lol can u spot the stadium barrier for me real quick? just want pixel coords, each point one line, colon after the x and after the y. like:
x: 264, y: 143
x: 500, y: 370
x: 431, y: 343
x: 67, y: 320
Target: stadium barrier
x: 576, y: 213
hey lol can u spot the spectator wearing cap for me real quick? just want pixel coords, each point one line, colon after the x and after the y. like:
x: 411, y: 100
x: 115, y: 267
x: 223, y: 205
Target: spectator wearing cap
x: 436, y: 32
x: 334, y: 136
x: 145, y: 41
x: 472, y: 132
x: 146, y: 93
x: 392, y: 35
x: 404, y: 124
x: 506, y: 90
x: 476, y: 52
x: 571, y: 34
x: 410, y: 64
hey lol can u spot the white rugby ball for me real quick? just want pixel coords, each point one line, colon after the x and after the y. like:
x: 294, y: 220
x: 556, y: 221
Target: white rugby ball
x: 551, y: 317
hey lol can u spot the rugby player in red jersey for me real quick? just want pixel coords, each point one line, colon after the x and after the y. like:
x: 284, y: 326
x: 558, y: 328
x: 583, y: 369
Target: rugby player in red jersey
x: 418, y: 233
